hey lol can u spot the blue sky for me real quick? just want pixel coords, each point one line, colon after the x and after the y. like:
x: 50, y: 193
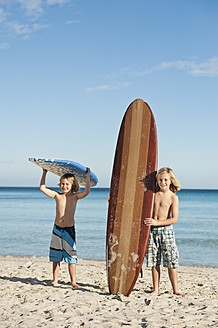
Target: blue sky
x: 69, y: 69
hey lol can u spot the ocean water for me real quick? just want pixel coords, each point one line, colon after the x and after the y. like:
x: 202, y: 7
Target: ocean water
x: 27, y: 217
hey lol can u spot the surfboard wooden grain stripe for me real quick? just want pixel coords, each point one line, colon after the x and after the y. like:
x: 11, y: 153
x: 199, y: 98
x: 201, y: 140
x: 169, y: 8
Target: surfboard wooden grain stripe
x: 148, y: 199
x: 127, y: 198
x: 133, y: 189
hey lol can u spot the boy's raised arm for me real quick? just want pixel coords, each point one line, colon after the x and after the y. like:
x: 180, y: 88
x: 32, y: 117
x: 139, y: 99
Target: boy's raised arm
x: 46, y: 191
x: 84, y: 193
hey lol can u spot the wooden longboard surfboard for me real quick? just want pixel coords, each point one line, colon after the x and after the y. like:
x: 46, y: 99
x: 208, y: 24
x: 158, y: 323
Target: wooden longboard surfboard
x: 131, y: 197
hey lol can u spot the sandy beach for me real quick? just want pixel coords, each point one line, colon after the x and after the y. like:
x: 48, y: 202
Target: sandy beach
x: 27, y: 299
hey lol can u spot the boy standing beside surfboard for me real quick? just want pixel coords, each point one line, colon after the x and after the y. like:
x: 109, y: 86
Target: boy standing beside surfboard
x: 162, y: 238
x: 63, y: 244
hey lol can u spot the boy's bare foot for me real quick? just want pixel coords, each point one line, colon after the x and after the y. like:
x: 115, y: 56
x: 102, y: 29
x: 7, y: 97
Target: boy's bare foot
x: 155, y: 293
x: 74, y: 285
x: 178, y: 293
x: 54, y: 283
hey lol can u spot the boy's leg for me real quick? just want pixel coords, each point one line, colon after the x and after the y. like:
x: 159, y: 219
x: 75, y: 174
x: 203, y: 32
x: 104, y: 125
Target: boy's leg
x: 156, y: 278
x: 72, y: 272
x: 170, y: 256
x: 153, y: 258
x: 173, y: 279
x: 56, y: 268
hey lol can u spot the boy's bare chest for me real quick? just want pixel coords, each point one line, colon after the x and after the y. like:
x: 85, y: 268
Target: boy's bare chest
x: 162, y: 205
x: 64, y: 202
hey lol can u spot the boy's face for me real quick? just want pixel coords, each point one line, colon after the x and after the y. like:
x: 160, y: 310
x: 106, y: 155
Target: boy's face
x: 164, y: 181
x: 65, y: 186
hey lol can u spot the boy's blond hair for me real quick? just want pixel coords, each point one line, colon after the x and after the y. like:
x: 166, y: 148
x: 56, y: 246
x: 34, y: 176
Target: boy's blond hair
x: 71, y: 178
x: 175, y: 185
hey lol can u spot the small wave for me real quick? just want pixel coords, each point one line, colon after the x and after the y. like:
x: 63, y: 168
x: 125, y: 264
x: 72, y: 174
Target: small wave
x: 212, y: 243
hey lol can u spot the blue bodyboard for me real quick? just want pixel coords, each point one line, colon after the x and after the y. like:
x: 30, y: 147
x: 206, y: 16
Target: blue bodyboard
x: 60, y: 167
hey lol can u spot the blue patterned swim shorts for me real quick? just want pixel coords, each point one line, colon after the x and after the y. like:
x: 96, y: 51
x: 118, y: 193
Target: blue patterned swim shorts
x: 63, y: 245
x: 162, y: 244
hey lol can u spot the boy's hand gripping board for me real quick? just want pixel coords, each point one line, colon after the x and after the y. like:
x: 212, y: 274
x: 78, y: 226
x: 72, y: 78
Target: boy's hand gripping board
x: 60, y: 167
x: 131, y: 197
